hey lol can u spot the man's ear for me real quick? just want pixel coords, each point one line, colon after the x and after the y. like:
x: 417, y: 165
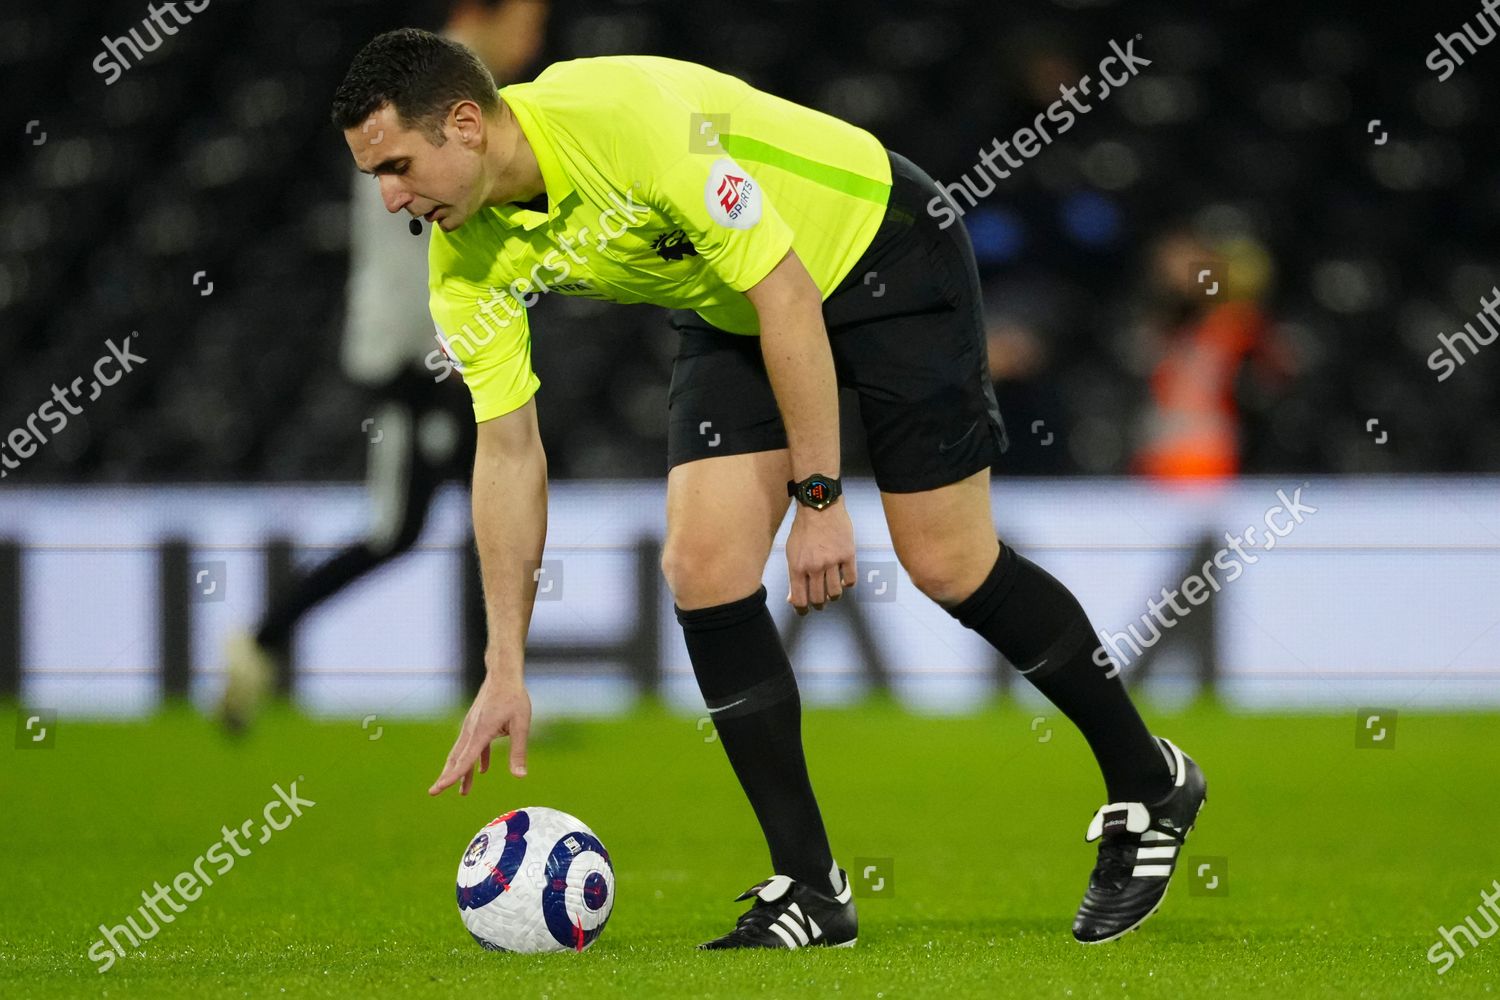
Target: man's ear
x: 467, y: 118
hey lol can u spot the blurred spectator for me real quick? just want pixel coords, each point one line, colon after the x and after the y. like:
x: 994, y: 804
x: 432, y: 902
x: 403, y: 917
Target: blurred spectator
x: 1201, y: 329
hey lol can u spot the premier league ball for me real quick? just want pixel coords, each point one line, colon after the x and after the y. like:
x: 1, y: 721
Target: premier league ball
x: 535, y: 880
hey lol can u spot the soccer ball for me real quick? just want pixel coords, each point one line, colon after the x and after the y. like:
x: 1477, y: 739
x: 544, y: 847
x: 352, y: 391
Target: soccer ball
x: 534, y: 880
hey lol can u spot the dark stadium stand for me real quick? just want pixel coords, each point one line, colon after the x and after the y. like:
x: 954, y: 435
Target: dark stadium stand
x: 214, y: 155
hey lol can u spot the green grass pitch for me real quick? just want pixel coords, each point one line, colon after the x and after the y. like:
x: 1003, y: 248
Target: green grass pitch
x: 1341, y: 862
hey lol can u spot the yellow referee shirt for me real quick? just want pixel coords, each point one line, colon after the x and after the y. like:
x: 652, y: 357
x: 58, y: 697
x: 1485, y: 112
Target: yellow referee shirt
x: 667, y: 182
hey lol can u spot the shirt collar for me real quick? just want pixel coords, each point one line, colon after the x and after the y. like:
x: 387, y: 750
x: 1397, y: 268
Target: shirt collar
x: 553, y: 176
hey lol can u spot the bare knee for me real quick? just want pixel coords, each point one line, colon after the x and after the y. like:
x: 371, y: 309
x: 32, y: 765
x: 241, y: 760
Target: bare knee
x: 946, y: 574
x: 704, y: 573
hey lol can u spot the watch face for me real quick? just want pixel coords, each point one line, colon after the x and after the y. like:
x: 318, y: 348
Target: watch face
x: 819, y: 492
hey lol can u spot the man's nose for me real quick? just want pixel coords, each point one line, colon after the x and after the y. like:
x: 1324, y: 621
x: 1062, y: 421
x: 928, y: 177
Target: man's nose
x: 395, y: 198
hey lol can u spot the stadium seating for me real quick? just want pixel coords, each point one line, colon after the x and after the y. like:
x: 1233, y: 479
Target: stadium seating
x: 214, y: 155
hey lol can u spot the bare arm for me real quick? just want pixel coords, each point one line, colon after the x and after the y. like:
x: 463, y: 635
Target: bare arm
x: 510, y: 528
x: 794, y: 342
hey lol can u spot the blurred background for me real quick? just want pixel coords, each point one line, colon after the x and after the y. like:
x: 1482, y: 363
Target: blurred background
x: 1227, y: 279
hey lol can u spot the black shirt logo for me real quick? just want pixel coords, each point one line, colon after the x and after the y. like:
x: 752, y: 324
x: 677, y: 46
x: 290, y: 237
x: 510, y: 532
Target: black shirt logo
x: 674, y: 245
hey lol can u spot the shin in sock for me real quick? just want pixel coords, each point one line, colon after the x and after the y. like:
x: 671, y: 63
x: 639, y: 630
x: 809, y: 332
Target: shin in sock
x: 751, y: 694
x: 1039, y: 626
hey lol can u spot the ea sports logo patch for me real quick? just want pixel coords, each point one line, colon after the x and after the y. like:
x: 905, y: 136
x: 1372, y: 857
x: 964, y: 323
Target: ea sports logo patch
x: 733, y: 198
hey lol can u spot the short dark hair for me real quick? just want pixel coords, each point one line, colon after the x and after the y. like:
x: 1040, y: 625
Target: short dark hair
x: 420, y: 74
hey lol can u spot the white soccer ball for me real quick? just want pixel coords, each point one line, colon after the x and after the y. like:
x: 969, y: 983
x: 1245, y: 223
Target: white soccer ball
x: 534, y: 880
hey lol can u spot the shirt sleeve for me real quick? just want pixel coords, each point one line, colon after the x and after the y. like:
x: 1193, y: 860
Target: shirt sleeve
x: 487, y: 338
x: 727, y: 215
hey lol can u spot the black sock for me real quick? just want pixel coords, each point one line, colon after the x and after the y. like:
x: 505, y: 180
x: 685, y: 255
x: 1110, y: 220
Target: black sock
x: 752, y: 698
x: 1037, y: 623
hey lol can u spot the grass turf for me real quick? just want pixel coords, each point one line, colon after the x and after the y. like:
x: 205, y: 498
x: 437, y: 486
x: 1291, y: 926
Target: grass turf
x: 1341, y: 862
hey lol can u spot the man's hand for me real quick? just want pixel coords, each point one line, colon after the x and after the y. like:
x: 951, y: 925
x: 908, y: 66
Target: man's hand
x: 501, y: 708
x: 820, y: 556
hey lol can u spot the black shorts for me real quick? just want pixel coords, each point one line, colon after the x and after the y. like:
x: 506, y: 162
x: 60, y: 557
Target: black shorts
x: 909, y: 340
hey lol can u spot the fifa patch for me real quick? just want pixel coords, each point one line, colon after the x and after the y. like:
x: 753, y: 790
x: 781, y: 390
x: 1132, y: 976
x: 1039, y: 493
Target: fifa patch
x: 732, y: 196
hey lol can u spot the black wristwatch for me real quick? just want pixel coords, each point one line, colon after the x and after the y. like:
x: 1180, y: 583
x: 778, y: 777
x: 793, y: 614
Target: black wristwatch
x: 816, y: 491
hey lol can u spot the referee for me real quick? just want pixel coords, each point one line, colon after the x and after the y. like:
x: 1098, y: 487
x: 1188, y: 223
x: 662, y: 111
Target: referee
x: 798, y: 255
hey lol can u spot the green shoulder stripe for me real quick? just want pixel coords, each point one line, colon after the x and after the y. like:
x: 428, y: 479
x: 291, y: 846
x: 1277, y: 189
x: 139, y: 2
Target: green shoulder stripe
x: 845, y: 181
